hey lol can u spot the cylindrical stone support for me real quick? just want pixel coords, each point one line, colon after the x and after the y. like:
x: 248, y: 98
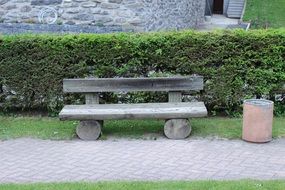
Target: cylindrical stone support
x: 89, y: 130
x: 177, y: 128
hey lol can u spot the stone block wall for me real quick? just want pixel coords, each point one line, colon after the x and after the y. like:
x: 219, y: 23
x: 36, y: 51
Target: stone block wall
x: 137, y: 15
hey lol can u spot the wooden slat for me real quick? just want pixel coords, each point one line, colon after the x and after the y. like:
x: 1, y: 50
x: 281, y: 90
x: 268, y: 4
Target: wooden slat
x: 94, y: 85
x: 133, y: 111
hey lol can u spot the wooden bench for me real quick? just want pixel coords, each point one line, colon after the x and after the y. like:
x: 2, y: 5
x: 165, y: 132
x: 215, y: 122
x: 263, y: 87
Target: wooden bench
x: 175, y: 112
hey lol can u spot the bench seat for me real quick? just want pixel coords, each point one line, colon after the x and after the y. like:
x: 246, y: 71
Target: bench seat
x: 180, y: 110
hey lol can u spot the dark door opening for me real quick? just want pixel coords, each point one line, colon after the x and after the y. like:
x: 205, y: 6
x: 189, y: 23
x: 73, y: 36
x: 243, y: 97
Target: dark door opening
x: 218, y: 7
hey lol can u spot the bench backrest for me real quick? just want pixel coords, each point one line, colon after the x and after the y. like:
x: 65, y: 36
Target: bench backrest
x: 168, y: 84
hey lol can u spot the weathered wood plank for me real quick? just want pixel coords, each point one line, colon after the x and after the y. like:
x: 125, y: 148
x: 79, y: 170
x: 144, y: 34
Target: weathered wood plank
x: 93, y: 85
x: 133, y: 111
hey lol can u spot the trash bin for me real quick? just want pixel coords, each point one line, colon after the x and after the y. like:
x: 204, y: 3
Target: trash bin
x: 257, y: 120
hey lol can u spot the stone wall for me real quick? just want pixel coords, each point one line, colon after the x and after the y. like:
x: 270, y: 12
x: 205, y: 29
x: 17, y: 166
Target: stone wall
x: 138, y: 15
x: 226, y: 5
x: 17, y: 28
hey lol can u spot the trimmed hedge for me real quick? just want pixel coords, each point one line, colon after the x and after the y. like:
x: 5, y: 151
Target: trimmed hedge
x: 235, y: 64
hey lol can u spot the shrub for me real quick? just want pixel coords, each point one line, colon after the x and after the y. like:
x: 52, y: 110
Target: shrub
x: 235, y: 64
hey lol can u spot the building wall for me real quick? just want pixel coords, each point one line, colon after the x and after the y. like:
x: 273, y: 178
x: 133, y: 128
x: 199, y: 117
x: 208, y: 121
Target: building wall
x: 226, y: 5
x: 209, y: 7
x: 138, y: 15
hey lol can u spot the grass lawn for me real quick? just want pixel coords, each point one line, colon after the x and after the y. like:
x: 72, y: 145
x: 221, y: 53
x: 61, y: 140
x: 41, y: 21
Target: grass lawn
x: 194, y: 185
x: 265, y: 13
x: 52, y: 128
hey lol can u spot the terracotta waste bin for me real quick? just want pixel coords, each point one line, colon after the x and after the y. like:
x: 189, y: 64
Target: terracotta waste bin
x: 257, y: 120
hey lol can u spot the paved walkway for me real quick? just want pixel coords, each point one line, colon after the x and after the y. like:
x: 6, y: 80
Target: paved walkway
x: 219, y: 22
x: 27, y: 160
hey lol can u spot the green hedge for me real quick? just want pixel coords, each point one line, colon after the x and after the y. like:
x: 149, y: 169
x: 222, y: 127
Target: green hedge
x: 235, y: 64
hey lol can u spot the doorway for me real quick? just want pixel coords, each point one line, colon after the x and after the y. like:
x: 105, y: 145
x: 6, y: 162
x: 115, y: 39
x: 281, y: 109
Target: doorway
x: 218, y: 7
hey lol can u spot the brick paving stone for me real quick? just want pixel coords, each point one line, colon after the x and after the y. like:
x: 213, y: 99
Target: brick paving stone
x: 30, y: 160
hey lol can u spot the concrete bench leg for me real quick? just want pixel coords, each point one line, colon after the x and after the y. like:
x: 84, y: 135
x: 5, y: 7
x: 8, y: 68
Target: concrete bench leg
x: 89, y: 130
x: 177, y: 128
